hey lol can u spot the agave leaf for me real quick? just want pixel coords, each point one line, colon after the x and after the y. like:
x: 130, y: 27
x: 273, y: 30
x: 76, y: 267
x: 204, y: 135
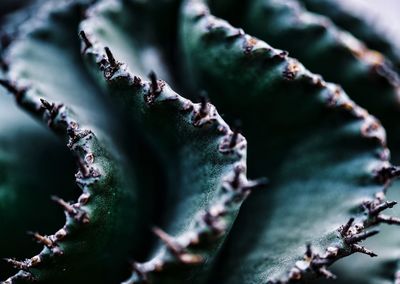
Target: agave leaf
x: 324, y: 154
x: 25, y: 188
x: 198, y: 212
x: 374, y: 85
x: 203, y: 215
x: 45, y: 63
x: 360, y: 26
x: 365, y: 74
x: 101, y: 209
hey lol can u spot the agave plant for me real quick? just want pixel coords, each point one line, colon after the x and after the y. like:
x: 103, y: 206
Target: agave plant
x: 155, y: 186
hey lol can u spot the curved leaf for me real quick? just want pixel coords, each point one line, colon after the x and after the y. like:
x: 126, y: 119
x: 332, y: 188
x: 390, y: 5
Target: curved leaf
x: 204, y: 160
x: 25, y: 189
x: 313, y: 39
x: 324, y: 154
x: 375, y: 85
x: 46, y: 64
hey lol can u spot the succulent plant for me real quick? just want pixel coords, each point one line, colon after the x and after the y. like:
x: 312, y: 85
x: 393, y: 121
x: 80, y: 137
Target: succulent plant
x: 159, y: 179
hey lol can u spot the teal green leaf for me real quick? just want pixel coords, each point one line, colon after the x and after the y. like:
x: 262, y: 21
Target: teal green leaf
x: 322, y: 153
x: 46, y: 64
x: 198, y: 212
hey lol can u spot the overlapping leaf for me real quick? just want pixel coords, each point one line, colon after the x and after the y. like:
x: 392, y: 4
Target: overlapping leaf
x: 321, y: 151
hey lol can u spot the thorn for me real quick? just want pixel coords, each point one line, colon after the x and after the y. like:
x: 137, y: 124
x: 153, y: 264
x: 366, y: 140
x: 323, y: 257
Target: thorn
x: 87, y: 42
x: 204, y: 103
x: 17, y: 264
x: 234, y: 138
x: 42, y: 239
x: 76, y: 213
x: 51, y: 108
x: 110, y: 57
x: 382, y: 206
x: 176, y: 249
x: 363, y: 250
x: 189, y: 258
x: 346, y: 227
x: 385, y: 174
x: 137, y: 81
x: 83, y: 168
x: 388, y: 220
x: 236, y: 130
x: 168, y: 240
x: 155, y: 89
x: 255, y: 184
x: 67, y: 207
x: 47, y: 105
x: 360, y: 237
x: 308, y: 251
x: 153, y: 78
